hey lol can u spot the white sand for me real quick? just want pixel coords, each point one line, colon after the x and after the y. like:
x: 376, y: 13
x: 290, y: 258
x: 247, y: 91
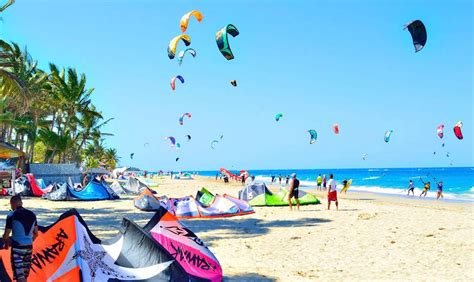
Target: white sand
x: 371, y: 237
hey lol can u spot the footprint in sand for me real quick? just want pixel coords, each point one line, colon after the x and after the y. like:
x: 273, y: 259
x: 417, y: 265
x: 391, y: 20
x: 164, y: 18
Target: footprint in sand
x: 366, y: 216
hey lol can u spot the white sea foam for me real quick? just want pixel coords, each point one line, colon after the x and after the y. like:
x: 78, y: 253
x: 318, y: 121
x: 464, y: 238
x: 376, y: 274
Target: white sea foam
x: 371, y: 177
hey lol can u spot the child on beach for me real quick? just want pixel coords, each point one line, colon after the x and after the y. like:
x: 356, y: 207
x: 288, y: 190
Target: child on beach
x: 319, y: 181
x: 411, y: 187
x: 439, y: 193
x: 332, y: 192
x: 426, y: 188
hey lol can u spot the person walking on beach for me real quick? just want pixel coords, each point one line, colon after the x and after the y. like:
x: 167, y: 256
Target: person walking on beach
x: 439, y: 193
x: 324, y: 182
x: 294, y: 187
x: 279, y: 179
x: 319, y: 181
x: 21, y: 224
x: 411, y: 187
x: 273, y: 178
x: 243, y: 179
x: 287, y: 179
x: 426, y: 188
x: 332, y: 192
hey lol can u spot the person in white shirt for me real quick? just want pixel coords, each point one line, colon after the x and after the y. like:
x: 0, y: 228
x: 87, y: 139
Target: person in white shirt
x: 332, y: 192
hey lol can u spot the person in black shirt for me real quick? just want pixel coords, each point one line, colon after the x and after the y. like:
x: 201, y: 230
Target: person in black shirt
x: 22, y: 225
x: 294, y: 186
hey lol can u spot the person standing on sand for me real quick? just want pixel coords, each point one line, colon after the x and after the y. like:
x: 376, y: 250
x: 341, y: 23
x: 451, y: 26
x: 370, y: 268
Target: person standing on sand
x: 293, y: 193
x: 332, y: 192
x: 319, y: 181
x: 439, y: 193
x: 324, y: 182
x: 273, y: 178
x: 243, y: 179
x: 279, y: 179
x: 21, y: 223
x: 426, y: 188
x: 411, y: 187
x: 287, y: 179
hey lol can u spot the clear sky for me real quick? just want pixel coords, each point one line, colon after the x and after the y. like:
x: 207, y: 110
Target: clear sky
x: 317, y: 62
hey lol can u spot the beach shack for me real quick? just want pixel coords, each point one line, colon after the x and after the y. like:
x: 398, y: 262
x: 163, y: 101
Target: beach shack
x: 10, y: 158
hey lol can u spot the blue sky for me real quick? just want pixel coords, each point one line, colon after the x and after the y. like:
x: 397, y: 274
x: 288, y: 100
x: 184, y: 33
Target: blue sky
x: 317, y: 62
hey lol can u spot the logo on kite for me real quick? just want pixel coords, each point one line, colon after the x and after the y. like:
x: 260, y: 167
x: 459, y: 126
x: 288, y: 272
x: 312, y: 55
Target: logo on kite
x: 222, y: 40
x: 457, y: 130
x: 439, y: 131
x: 336, y: 128
x: 233, y: 83
x: 174, y: 43
x: 418, y: 34
x: 278, y: 117
x: 313, y: 136
x: 173, y: 81
x: 388, y: 133
x: 181, y: 119
x: 183, y: 23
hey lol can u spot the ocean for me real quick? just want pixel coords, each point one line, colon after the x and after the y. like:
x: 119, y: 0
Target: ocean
x: 458, y: 182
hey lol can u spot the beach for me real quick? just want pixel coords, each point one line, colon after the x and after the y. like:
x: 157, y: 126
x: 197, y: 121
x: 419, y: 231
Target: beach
x: 372, y: 236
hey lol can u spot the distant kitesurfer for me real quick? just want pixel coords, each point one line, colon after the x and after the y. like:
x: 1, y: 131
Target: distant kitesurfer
x: 411, y: 187
x: 425, y: 188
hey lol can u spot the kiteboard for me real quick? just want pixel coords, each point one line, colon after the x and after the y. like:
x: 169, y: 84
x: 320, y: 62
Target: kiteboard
x: 349, y: 182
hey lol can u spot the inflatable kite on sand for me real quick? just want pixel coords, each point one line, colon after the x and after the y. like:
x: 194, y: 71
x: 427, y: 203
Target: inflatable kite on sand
x: 164, y: 250
x: 222, y: 40
x: 418, y: 34
x: 204, y: 205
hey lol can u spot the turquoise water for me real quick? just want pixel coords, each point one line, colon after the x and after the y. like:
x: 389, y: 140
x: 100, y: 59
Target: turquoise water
x: 458, y: 182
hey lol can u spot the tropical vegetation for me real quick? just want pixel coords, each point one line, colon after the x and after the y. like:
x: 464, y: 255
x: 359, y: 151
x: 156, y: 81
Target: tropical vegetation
x: 49, y: 114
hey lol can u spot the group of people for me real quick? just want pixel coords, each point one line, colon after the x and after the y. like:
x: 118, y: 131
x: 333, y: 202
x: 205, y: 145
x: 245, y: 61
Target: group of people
x: 331, y: 188
x: 280, y: 178
x: 426, y: 188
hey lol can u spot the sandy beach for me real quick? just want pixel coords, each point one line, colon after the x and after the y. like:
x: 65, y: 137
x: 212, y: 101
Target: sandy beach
x: 370, y: 237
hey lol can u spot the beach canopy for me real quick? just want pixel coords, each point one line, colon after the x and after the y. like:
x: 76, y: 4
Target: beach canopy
x: 257, y: 194
x: 94, y: 191
x: 205, y: 205
x: 8, y: 151
x: 163, y: 251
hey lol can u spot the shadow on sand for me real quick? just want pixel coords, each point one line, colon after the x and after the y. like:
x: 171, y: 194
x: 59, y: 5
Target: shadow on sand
x: 249, y: 277
x: 246, y: 227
